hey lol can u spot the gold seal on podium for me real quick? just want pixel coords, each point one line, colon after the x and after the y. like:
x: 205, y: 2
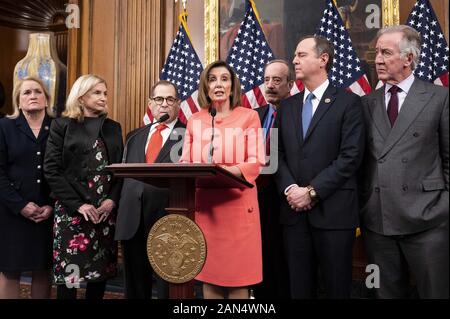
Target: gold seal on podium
x: 176, y: 248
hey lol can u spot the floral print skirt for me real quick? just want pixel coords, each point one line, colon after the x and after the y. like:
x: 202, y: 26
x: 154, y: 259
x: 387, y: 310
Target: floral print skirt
x: 84, y: 251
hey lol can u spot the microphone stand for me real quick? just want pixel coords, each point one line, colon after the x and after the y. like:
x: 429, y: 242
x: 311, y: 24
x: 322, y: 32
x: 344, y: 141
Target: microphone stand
x: 213, y: 113
x: 163, y: 118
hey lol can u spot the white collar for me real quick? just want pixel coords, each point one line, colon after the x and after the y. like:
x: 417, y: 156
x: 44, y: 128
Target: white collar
x: 318, y: 92
x: 404, y: 85
x: 170, y: 125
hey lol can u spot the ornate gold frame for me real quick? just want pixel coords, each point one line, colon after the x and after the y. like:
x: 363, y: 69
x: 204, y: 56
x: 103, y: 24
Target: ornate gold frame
x: 390, y: 16
x: 211, y: 30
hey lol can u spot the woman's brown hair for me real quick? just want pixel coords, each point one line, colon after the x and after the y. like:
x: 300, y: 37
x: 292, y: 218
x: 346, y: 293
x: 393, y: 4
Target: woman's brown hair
x: 203, y: 98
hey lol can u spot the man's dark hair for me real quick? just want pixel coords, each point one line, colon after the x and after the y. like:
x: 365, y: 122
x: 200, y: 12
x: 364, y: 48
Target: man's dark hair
x: 163, y: 82
x: 322, y: 46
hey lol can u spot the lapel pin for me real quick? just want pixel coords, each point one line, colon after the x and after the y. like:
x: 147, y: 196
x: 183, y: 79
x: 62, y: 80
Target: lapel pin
x: 327, y: 100
x: 46, y: 128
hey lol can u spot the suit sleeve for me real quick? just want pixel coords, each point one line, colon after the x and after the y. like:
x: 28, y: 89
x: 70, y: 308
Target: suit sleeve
x: 351, y: 152
x: 186, y: 155
x: 117, y: 183
x: 444, y: 140
x: 54, y: 171
x: 283, y: 176
x: 251, y: 167
x: 8, y: 195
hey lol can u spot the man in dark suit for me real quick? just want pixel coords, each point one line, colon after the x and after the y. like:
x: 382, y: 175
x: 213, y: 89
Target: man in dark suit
x: 405, y: 203
x: 278, y: 80
x: 321, y: 145
x: 141, y: 205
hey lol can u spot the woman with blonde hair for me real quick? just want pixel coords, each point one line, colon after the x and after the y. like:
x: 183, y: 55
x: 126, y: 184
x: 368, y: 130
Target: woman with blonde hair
x: 81, y: 144
x: 25, y: 205
x: 228, y: 217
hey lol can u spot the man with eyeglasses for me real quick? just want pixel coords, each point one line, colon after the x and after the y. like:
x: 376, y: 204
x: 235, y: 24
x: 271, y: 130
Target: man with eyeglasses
x: 141, y: 205
x: 278, y: 80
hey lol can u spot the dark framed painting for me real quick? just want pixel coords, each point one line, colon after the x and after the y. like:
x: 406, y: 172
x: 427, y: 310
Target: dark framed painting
x: 286, y: 21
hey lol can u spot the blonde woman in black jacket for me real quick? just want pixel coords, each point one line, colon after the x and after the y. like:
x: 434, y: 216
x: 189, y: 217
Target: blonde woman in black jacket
x: 81, y: 144
x: 26, y: 210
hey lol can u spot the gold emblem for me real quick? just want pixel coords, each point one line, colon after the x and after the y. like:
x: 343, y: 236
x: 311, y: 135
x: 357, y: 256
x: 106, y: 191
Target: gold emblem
x: 176, y: 248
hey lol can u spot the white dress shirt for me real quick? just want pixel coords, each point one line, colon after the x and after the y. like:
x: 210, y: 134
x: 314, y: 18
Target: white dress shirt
x: 318, y: 93
x: 405, y: 85
x: 165, y: 133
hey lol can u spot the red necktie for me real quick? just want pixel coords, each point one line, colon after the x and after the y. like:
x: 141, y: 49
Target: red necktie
x: 393, y: 104
x: 272, y: 122
x: 155, y: 144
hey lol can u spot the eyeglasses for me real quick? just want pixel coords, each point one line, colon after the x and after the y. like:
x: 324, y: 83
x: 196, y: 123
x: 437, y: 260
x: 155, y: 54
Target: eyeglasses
x: 159, y: 100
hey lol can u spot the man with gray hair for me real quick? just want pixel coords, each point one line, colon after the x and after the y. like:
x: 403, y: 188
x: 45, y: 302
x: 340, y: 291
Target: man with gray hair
x: 405, y: 199
x: 278, y: 81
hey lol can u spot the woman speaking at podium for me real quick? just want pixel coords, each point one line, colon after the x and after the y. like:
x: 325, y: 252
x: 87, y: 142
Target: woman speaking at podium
x: 224, y: 133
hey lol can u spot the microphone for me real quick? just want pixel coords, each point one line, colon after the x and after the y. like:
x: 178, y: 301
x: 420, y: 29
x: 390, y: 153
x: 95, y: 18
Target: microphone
x: 213, y: 112
x: 163, y: 118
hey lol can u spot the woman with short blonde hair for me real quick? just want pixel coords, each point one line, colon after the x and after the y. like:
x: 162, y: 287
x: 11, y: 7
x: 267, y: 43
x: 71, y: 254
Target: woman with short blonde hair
x: 16, y: 96
x: 74, y: 106
x: 80, y: 146
x: 25, y: 205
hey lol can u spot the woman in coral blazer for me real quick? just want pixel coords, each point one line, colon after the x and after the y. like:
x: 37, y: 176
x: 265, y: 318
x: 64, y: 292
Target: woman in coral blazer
x: 229, y: 218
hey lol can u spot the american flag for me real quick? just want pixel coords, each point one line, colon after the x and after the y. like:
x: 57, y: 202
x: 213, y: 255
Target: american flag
x: 183, y: 68
x: 346, y: 71
x: 248, y: 55
x: 433, y: 66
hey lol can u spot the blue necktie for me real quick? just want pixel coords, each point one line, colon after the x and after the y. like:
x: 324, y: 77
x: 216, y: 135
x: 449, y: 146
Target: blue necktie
x: 307, y: 113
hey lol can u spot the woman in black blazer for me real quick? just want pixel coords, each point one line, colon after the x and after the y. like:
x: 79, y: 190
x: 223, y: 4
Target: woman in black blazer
x: 81, y: 144
x: 25, y: 206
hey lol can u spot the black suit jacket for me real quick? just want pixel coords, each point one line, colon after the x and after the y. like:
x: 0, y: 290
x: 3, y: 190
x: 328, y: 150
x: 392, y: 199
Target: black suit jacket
x: 328, y: 158
x: 67, y: 155
x: 265, y: 181
x: 21, y: 174
x: 138, y: 198
x: 262, y: 111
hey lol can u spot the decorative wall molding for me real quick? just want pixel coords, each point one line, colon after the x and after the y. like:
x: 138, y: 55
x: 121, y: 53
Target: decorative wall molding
x: 36, y: 15
x: 140, y: 44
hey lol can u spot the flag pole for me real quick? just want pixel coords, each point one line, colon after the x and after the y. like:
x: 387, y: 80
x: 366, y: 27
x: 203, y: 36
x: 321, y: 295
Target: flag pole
x: 183, y: 20
x: 253, y: 5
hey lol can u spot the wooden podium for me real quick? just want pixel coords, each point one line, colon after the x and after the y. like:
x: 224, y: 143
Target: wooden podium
x: 181, y: 180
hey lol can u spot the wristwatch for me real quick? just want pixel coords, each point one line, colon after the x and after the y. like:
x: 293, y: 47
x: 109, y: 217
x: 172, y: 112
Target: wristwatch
x: 312, y: 193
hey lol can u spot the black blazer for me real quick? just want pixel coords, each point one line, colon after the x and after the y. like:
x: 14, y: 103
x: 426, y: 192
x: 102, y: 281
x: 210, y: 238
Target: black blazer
x: 141, y: 199
x: 67, y: 155
x: 262, y: 111
x: 21, y: 174
x: 328, y: 158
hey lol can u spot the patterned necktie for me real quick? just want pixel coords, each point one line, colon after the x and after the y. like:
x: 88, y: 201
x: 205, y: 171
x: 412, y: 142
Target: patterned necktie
x: 269, y: 129
x: 155, y: 144
x: 307, y: 113
x: 392, y: 109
